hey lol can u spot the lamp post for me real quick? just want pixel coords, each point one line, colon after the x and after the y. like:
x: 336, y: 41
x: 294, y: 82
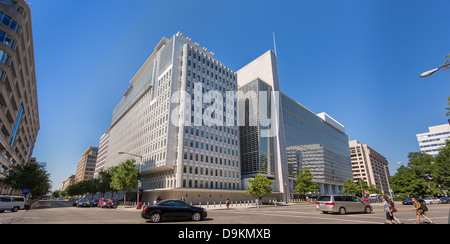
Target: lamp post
x: 387, y: 179
x: 432, y: 71
x: 140, y: 170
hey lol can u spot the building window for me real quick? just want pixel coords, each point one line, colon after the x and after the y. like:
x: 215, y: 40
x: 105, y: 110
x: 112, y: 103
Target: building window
x: 16, y: 126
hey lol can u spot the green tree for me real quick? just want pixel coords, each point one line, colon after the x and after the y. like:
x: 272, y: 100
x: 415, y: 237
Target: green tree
x: 31, y: 176
x: 124, y: 177
x: 304, y: 182
x: 351, y: 187
x: 259, y: 186
x: 442, y: 170
x: 105, y: 182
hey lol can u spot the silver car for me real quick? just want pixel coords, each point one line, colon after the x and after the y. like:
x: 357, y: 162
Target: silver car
x: 342, y: 204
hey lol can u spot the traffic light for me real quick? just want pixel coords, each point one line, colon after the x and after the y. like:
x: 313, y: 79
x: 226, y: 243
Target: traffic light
x: 139, y: 176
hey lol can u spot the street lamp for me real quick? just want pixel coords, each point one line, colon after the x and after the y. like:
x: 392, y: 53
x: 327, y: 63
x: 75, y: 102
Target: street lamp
x: 387, y: 179
x: 432, y: 71
x: 140, y: 170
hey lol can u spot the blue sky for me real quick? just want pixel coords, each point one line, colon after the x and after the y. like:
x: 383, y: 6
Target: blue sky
x: 358, y: 61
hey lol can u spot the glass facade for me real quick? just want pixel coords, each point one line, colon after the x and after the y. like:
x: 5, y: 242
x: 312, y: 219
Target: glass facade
x: 310, y: 141
x: 313, y: 143
x: 256, y: 151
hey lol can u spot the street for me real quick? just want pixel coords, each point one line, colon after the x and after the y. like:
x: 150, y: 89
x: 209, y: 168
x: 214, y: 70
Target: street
x: 62, y: 212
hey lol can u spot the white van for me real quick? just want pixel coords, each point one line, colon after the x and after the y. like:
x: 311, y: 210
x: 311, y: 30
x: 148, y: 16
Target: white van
x: 13, y: 203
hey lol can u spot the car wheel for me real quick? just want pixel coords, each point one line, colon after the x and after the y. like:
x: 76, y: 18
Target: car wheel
x: 368, y: 210
x: 342, y: 210
x: 196, y: 216
x: 155, y: 218
x: 15, y: 209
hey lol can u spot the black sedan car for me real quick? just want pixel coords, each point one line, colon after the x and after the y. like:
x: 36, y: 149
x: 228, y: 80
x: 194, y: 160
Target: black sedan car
x: 83, y: 203
x: 172, y: 210
x: 409, y: 201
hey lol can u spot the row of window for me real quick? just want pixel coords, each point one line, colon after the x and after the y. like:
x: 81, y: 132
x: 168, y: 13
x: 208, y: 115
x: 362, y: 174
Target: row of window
x: 210, y: 159
x: 210, y: 185
x: 213, y: 65
x: 214, y: 172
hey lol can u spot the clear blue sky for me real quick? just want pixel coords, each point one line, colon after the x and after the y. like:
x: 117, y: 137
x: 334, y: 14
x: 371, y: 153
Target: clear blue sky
x: 358, y: 61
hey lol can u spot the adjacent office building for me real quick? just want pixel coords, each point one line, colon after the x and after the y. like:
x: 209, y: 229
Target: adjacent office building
x: 369, y: 165
x: 19, y: 114
x: 290, y: 137
x: 199, y: 130
x: 86, y: 165
x: 430, y: 142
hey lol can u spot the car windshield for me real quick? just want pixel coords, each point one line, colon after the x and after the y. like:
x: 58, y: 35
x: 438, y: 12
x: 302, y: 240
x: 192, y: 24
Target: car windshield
x: 107, y: 200
x: 84, y: 200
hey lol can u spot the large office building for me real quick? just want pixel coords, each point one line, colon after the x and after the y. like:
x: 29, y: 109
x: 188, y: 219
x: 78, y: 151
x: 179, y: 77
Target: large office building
x: 191, y: 125
x: 369, y: 165
x: 287, y: 136
x: 172, y: 117
x: 86, y: 165
x: 19, y: 114
x: 430, y: 142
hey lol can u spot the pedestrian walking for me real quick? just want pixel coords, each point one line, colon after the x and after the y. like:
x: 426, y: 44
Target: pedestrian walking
x: 257, y: 202
x: 228, y: 204
x: 394, y: 210
x: 420, y: 210
x: 388, y: 211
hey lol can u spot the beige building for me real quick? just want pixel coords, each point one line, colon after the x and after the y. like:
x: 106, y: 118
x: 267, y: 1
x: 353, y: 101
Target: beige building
x: 86, y: 165
x: 369, y: 165
x: 68, y: 182
x: 19, y: 114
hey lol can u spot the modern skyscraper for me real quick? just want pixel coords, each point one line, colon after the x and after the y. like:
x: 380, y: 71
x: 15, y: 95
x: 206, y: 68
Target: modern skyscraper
x: 19, y: 114
x: 172, y: 117
x: 430, y: 142
x: 290, y: 136
x: 369, y: 165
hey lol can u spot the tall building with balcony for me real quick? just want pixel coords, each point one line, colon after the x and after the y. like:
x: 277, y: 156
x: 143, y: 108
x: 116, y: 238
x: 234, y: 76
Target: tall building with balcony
x: 369, y: 165
x: 86, y: 165
x: 19, y: 114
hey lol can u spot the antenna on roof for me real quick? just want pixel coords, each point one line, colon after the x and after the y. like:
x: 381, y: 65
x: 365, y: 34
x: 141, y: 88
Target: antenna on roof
x: 274, y: 44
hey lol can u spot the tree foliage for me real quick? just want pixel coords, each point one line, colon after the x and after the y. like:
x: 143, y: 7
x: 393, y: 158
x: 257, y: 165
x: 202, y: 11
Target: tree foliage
x: 259, y: 186
x: 304, y: 182
x: 124, y: 177
x: 424, y: 174
x: 31, y: 176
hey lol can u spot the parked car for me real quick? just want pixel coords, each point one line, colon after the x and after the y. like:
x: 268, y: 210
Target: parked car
x: 75, y: 201
x: 94, y: 203
x: 445, y: 200
x: 83, y: 203
x: 173, y: 210
x: 13, y: 203
x: 106, y: 203
x: 342, y: 204
x: 409, y: 201
x: 432, y: 200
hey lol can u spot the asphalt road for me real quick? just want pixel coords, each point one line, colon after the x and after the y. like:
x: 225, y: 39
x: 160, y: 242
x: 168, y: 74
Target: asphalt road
x: 62, y: 212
